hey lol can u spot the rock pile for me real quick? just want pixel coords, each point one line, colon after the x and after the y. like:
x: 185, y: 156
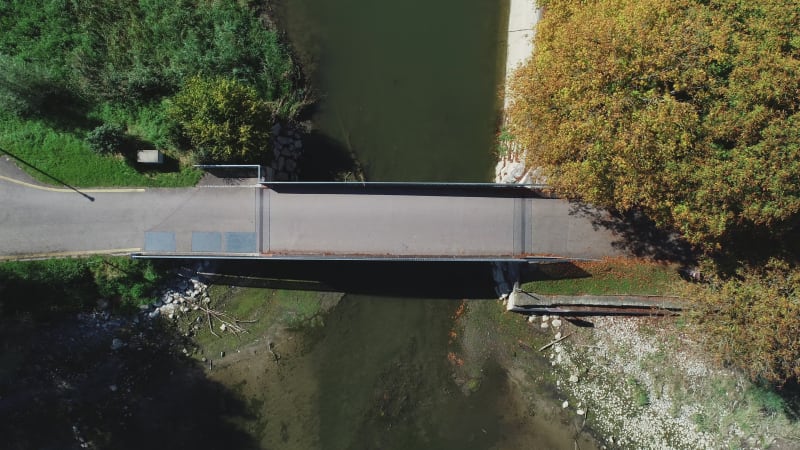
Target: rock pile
x: 186, y: 295
x: 287, y: 146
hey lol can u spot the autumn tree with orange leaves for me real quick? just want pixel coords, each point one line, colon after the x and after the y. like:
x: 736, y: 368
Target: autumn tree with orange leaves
x: 686, y: 110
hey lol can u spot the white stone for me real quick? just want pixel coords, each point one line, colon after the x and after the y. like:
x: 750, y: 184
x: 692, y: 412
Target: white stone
x: 545, y: 324
x: 154, y: 313
x: 565, y: 405
x: 558, y: 336
x: 580, y: 412
x: 531, y: 319
x: 556, y: 323
x: 573, y: 379
x: 545, y: 318
x: 113, y: 388
x: 117, y: 344
x: 223, y: 327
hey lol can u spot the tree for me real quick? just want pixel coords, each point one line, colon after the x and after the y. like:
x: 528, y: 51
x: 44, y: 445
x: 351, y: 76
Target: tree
x: 687, y: 110
x: 224, y: 119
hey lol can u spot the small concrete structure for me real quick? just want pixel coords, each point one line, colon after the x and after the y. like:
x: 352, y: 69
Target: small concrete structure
x: 150, y: 157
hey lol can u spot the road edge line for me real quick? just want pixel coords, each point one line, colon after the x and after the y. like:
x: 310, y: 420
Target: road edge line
x: 63, y: 190
x: 76, y: 254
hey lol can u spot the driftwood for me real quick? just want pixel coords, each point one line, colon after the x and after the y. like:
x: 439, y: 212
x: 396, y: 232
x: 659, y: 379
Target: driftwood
x: 275, y: 356
x: 556, y: 341
x: 227, y: 323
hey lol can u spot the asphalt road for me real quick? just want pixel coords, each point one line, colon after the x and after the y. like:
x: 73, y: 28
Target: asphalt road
x: 374, y: 222
x: 38, y: 222
x: 298, y: 221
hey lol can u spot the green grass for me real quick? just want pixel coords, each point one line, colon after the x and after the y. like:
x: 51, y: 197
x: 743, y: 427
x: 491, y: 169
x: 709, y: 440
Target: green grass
x: 64, y: 157
x: 43, y: 288
x: 610, y: 277
x: 266, y: 307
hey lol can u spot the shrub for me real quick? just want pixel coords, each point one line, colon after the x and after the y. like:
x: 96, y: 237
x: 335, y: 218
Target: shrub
x: 224, y: 119
x: 106, y: 139
x: 753, y: 319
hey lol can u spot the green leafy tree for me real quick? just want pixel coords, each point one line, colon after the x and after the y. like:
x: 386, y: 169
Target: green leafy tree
x: 224, y: 120
x: 685, y: 109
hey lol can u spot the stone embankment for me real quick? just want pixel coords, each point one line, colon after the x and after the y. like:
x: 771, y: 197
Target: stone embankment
x: 522, y: 20
x: 287, y: 147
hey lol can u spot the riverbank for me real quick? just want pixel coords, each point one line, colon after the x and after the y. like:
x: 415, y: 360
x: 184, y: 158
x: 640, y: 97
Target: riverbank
x: 643, y: 382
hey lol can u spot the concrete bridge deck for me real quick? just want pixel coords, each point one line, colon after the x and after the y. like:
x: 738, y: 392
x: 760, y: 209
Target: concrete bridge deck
x: 299, y: 221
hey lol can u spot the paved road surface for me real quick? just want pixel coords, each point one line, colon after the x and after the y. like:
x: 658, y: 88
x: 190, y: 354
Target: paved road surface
x: 294, y: 221
x: 36, y: 222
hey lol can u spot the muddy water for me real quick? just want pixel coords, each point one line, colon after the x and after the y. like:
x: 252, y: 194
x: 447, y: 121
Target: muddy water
x: 377, y: 375
x: 411, y: 89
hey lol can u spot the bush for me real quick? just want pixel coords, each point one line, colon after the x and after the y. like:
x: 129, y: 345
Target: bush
x: 753, y: 319
x: 224, y: 119
x: 106, y: 139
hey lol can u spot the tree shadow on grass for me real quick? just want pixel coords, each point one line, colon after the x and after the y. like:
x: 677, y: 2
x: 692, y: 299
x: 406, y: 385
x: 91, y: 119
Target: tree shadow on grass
x: 62, y: 385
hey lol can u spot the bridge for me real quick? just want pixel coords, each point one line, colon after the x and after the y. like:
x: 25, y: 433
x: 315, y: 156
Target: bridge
x: 286, y: 220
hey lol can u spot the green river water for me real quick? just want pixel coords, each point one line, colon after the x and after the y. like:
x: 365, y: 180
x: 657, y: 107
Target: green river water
x: 411, y: 90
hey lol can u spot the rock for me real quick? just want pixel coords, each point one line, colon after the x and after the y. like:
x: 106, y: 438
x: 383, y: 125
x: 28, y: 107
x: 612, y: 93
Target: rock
x: 117, y: 344
x: 545, y: 318
x: 545, y: 324
x: 168, y: 309
x: 558, y: 336
x: 206, y: 300
x: 556, y: 323
x: 154, y: 313
x: 565, y: 405
x: 223, y: 327
x: 573, y: 379
x: 580, y: 412
x: 221, y: 354
x: 168, y: 300
x: 284, y: 140
x: 531, y: 319
x: 113, y: 388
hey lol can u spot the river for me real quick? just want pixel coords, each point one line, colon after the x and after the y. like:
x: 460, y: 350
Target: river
x: 411, y: 89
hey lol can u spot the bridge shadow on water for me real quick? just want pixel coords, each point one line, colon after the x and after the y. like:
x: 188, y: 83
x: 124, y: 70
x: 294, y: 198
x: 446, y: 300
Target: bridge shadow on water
x: 446, y: 280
